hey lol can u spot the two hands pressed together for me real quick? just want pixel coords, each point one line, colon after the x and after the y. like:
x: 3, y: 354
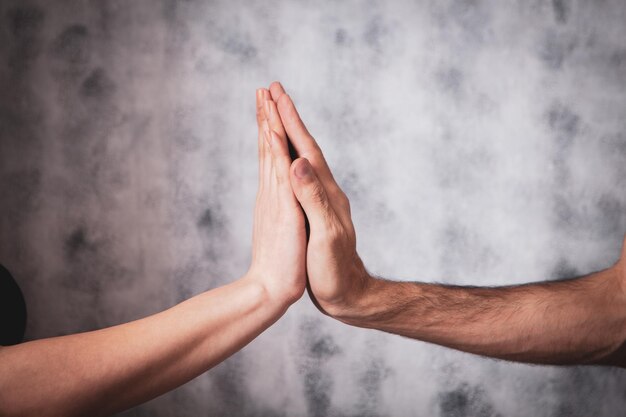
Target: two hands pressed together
x: 303, y: 187
x: 578, y: 321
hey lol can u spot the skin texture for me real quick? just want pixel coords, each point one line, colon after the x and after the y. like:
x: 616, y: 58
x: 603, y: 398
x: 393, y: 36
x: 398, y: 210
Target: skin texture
x: 578, y: 321
x: 108, y: 370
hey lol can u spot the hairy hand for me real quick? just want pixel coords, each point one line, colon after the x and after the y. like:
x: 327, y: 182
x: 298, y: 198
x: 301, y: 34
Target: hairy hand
x: 620, y: 268
x: 336, y: 274
x: 279, y: 237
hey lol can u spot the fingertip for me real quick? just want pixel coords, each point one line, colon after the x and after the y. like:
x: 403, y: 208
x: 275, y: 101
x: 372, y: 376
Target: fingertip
x: 283, y: 100
x: 276, y: 90
x: 285, y: 106
x: 273, y: 118
x: 301, y: 168
x: 260, y: 114
x: 296, y: 162
x: 296, y: 182
x: 262, y: 94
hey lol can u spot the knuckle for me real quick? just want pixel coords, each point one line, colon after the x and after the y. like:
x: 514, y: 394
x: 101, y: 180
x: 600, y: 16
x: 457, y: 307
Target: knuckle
x: 335, y: 232
x: 260, y: 116
x: 339, y: 196
x: 317, y: 194
x: 346, y: 203
x: 314, y: 154
x: 340, y: 199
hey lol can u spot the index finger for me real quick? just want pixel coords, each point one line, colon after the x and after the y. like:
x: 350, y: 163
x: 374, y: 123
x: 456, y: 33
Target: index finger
x: 303, y: 142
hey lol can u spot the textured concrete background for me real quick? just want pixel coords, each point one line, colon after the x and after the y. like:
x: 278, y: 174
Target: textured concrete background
x: 481, y: 142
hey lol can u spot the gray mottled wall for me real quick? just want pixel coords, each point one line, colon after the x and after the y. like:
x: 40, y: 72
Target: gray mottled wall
x: 481, y: 142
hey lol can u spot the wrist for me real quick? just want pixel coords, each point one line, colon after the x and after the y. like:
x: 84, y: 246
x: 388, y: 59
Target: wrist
x: 619, y: 271
x: 360, y: 303
x: 272, y: 294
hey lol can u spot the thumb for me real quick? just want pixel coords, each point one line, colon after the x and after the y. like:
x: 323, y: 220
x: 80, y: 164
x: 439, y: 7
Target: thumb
x: 311, y: 194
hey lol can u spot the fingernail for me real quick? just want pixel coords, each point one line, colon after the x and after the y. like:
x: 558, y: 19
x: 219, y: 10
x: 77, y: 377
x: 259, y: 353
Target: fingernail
x: 303, y: 169
x: 259, y: 93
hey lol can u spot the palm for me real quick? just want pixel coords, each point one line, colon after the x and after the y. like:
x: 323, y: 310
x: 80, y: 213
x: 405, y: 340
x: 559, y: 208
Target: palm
x: 279, y: 239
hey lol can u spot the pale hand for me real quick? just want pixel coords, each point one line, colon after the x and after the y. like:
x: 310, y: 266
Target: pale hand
x: 279, y: 236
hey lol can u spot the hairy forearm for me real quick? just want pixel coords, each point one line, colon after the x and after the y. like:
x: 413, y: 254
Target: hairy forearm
x: 579, y: 321
x: 104, y: 371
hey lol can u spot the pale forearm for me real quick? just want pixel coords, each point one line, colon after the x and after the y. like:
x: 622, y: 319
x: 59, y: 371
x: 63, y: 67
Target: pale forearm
x: 565, y: 322
x: 104, y: 371
x: 101, y: 372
